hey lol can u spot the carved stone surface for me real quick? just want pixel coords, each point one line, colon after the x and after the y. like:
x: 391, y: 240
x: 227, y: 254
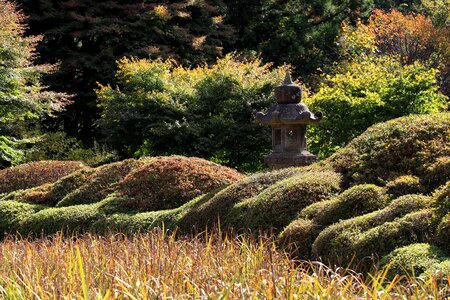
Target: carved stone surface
x: 288, y: 119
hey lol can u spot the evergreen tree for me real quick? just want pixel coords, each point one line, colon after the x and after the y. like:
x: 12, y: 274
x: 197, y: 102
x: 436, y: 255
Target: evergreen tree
x: 22, y: 97
x: 88, y: 36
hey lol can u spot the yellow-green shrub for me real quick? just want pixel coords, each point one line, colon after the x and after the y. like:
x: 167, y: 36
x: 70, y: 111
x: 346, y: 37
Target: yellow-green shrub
x: 414, y: 259
x: 335, y: 240
x: 357, y: 200
x: 279, y: 204
x: 406, y: 145
x: 13, y: 214
x: 404, y: 185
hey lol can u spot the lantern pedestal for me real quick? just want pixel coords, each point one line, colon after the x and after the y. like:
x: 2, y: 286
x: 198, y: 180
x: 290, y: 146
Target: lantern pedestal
x: 288, y: 119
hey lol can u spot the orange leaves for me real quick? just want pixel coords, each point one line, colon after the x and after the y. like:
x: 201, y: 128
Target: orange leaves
x: 169, y: 182
x: 35, y: 174
x: 411, y: 37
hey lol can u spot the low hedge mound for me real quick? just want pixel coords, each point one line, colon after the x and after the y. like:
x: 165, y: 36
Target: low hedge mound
x: 35, y: 174
x: 13, y: 214
x: 442, y: 199
x: 71, y: 220
x: 443, y: 234
x: 407, y: 145
x: 355, y: 201
x: 335, y: 240
x: 278, y: 205
x: 209, y: 211
x: 100, y: 182
x: 404, y: 185
x: 168, y: 182
x: 414, y: 259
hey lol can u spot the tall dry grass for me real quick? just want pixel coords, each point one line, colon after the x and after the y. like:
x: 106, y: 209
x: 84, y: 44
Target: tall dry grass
x: 158, y: 265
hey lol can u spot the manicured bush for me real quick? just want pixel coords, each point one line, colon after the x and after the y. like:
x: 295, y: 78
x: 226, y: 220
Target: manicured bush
x: 442, y: 199
x: 101, y: 182
x: 218, y: 206
x: 334, y: 239
x: 438, y: 172
x: 72, y: 219
x: 35, y: 174
x: 298, y: 237
x: 51, y: 193
x: 415, y: 227
x: 278, y: 205
x: 355, y: 201
x: 404, y: 185
x: 168, y: 182
x: 443, y: 234
x: 13, y: 214
x: 414, y: 259
x: 406, y: 145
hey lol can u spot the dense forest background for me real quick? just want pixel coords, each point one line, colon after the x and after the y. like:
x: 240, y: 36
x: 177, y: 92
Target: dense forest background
x: 109, y: 79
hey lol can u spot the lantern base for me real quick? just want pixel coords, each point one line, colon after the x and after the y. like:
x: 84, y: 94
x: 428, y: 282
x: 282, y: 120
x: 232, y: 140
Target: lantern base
x: 279, y: 160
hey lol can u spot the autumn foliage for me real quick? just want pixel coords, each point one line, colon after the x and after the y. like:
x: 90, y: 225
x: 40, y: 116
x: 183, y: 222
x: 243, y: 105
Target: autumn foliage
x: 168, y: 182
x: 35, y: 174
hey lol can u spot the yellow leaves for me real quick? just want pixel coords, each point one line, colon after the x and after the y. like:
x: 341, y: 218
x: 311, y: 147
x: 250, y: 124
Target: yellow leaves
x: 162, y: 12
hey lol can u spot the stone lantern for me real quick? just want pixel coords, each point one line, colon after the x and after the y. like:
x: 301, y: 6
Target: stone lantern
x: 288, y: 119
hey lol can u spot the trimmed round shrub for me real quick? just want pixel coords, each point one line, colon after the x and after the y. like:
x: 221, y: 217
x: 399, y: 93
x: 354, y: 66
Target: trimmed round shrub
x: 355, y: 201
x: 13, y: 214
x: 404, y: 185
x: 443, y: 234
x: 438, y: 173
x: 35, y: 173
x: 168, y: 182
x: 100, y: 182
x: 336, y: 239
x: 414, y: 259
x: 208, y: 212
x: 415, y: 227
x: 298, y: 237
x: 278, y: 205
x: 72, y: 219
x: 442, y: 199
x: 406, y: 145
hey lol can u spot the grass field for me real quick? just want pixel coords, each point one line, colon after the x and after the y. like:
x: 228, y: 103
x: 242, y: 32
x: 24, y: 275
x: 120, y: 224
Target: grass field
x: 159, y: 265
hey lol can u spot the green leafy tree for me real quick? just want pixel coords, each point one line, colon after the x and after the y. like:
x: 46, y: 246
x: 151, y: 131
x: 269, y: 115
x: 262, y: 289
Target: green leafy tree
x: 88, y: 36
x: 367, y: 92
x: 22, y: 97
x: 160, y: 108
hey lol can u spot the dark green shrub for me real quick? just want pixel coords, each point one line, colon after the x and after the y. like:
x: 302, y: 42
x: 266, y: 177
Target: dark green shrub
x: 218, y: 206
x: 415, y: 227
x: 336, y: 239
x: 169, y: 182
x: 443, y: 234
x: 405, y: 145
x: 34, y: 174
x: 13, y: 214
x: 100, y: 183
x: 355, y: 201
x: 413, y: 259
x: 442, y: 199
x: 279, y: 204
x: 72, y: 219
x: 404, y: 185
x: 298, y: 237
x: 438, y: 172
x: 205, y: 112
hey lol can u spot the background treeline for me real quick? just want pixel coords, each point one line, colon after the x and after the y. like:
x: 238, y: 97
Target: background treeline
x: 208, y: 67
